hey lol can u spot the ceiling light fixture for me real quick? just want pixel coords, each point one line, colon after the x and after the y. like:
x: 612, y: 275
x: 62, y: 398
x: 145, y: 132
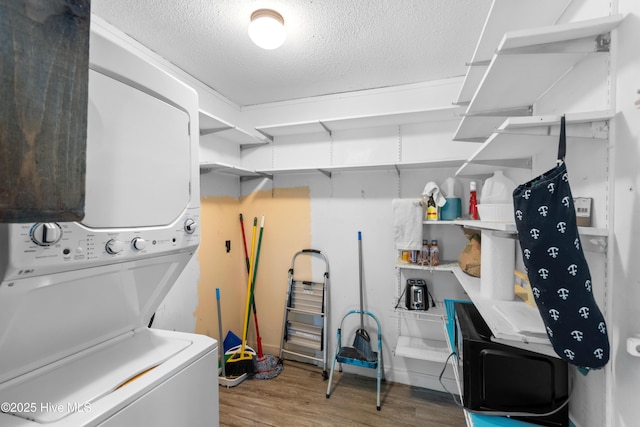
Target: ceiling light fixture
x: 267, y: 29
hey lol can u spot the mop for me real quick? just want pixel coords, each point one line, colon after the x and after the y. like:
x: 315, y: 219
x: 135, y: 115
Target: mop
x: 267, y: 366
x: 242, y: 362
x: 223, y: 379
x: 362, y: 341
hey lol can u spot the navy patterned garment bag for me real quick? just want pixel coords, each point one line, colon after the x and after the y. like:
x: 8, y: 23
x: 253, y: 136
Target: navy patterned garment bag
x: 557, y: 269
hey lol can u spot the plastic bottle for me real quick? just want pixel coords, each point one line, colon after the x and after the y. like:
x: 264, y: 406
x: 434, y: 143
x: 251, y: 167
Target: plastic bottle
x: 434, y: 253
x: 473, y: 201
x: 497, y: 189
x: 424, y: 253
x: 432, y: 209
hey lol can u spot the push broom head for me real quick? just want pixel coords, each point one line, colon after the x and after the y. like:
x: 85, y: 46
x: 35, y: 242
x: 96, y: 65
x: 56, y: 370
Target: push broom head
x: 240, y: 363
x: 362, y: 344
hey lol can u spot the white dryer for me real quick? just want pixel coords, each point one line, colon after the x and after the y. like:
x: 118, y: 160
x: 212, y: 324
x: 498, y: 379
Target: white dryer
x: 76, y: 298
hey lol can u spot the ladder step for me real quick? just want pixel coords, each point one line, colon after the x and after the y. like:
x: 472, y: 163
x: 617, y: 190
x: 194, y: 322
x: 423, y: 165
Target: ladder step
x: 313, y: 313
x: 351, y: 356
x: 295, y: 353
x: 306, y: 343
x: 305, y: 328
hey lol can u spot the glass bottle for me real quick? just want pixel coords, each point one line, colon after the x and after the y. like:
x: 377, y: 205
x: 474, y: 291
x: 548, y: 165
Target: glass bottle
x: 424, y: 253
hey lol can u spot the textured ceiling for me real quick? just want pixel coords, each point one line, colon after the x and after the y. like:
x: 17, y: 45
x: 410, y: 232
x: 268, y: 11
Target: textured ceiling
x: 332, y: 46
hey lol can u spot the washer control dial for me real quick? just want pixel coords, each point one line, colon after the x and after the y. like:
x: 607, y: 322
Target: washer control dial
x: 138, y: 243
x: 190, y: 225
x: 114, y: 246
x: 46, y: 233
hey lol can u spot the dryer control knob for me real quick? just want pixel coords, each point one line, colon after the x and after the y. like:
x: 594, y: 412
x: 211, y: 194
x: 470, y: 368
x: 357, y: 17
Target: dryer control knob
x: 138, y: 243
x: 190, y: 225
x: 114, y: 246
x: 46, y: 233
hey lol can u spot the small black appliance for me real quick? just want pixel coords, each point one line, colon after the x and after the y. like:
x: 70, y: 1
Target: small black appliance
x: 416, y: 295
x: 499, y: 378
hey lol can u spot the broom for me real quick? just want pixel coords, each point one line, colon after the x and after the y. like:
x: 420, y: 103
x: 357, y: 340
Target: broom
x: 267, y: 366
x: 242, y: 362
x: 362, y: 341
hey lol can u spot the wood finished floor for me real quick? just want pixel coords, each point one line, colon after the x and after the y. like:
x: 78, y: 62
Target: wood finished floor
x: 297, y: 397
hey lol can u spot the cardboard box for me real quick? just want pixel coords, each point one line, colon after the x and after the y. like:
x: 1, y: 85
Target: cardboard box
x: 583, y: 211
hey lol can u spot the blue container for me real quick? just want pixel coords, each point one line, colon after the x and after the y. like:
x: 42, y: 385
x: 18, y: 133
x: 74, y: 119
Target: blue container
x: 452, y: 209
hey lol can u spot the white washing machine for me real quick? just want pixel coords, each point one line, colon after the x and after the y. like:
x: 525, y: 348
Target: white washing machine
x: 76, y: 298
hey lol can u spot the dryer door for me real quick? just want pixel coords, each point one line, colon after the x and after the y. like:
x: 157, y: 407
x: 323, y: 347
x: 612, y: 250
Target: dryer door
x: 138, y: 157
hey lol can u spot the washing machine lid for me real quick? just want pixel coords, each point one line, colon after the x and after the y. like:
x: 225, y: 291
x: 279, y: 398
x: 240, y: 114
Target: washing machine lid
x: 48, y: 318
x: 89, y: 387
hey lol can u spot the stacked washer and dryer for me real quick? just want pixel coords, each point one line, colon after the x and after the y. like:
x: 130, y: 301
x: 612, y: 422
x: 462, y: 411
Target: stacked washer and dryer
x: 76, y: 298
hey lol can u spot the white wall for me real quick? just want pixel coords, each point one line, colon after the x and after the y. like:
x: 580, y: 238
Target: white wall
x: 624, y: 266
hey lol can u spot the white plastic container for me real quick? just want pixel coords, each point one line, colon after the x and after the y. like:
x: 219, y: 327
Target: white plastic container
x: 496, y: 200
x: 498, y: 189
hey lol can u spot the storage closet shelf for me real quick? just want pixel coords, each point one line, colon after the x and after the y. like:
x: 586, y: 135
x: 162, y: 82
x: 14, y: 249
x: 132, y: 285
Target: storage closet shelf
x: 422, y: 349
x: 359, y: 122
x: 527, y: 63
x: 480, y: 170
x: 229, y: 169
x: 434, y: 314
x: 478, y: 128
x: 210, y: 124
x: 510, y: 228
x: 444, y: 266
x: 398, y: 167
x: 502, y: 329
x: 507, y: 227
x: 439, y: 222
x: 518, y: 139
x: 506, y: 16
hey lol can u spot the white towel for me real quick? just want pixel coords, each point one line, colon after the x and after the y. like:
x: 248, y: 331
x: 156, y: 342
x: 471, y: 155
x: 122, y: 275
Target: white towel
x: 407, y: 224
x: 432, y: 189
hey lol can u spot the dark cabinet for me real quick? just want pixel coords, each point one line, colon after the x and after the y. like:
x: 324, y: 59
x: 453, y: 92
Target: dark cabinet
x: 44, y: 65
